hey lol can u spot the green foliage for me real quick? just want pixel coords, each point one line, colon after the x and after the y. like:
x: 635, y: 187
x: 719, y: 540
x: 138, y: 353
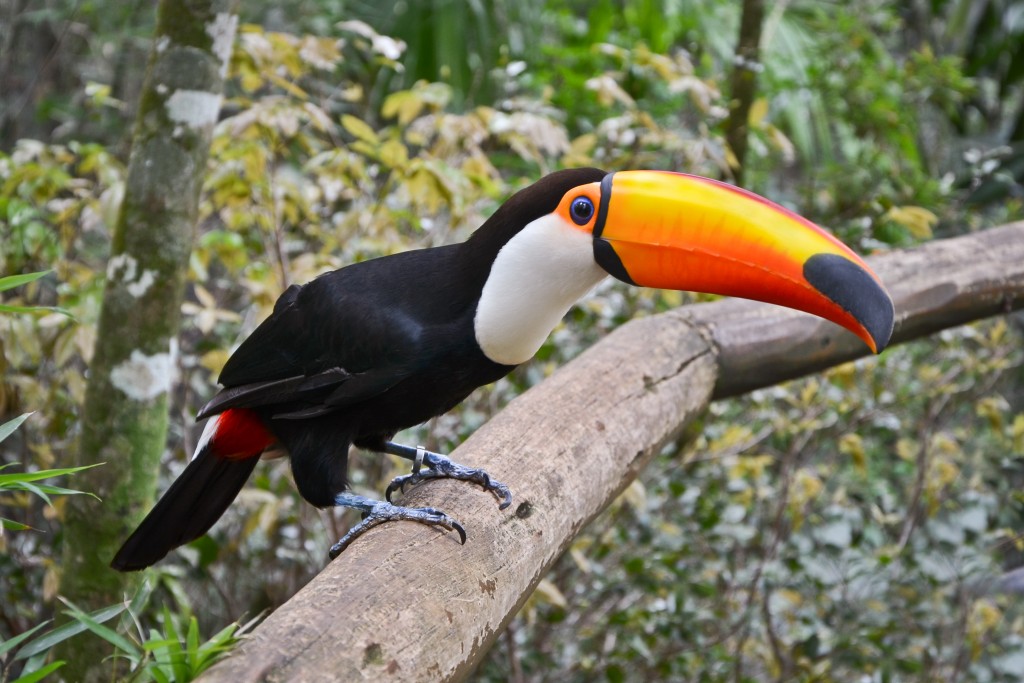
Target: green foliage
x: 35, y: 651
x: 841, y: 527
x: 12, y: 281
x: 54, y: 201
x: 175, y: 653
x: 171, y: 655
x: 862, y: 136
x: 26, y: 481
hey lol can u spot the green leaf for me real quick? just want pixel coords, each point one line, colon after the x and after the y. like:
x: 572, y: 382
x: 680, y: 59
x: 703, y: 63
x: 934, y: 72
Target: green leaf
x: 9, y: 645
x: 360, y: 129
x: 916, y: 219
x: 155, y: 644
x: 192, y: 641
x: 215, y: 647
x: 7, y: 308
x: 22, y: 477
x: 224, y: 635
x: 7, y: 428
x: 107, y: 634
x: 41, y: 673
x: 158, y: 674
x: 12, y: 525
x: 45, y: 490
x: 31, y: 488
x: 175, y: 654
x: 61, y: 491
x: 12, y: 281
x: 615, y: 674
x: 141, y: 598
x: 406, y: 104
x: 169, y: 629
x: 62, y: 633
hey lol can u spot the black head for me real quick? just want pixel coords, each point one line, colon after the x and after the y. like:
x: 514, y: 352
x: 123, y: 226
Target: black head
x: 527, y: 205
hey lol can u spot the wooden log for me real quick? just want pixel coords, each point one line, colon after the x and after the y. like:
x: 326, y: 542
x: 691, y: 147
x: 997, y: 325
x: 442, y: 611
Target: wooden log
x: 407, y: 603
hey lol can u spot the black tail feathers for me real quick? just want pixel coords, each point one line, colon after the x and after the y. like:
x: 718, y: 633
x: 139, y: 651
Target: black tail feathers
x: 195, y: 501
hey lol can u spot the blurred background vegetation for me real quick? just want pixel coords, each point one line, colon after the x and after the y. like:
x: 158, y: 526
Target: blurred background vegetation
x: 859, y: 525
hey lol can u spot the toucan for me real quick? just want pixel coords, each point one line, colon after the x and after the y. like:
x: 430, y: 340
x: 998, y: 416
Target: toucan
x: 359, y: 353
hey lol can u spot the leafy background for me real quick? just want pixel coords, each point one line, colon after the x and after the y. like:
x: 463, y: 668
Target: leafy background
x: 858, y: 525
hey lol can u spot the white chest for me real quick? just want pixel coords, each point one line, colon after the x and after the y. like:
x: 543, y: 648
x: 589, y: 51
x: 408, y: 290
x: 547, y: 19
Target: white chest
x: 536, y: 278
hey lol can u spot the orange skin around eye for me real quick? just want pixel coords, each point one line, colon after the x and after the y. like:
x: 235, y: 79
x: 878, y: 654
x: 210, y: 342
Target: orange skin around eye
x: 591, y: 192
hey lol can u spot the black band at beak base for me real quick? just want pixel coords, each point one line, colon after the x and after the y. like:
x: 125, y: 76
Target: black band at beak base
x: 606, y: 200
x: 606, y: 257
x: 604, y: 253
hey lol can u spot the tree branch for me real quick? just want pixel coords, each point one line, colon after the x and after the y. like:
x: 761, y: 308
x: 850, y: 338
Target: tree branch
x: 408, y: 603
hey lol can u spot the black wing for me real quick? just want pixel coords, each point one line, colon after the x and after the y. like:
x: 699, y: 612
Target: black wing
x: 343, y: 338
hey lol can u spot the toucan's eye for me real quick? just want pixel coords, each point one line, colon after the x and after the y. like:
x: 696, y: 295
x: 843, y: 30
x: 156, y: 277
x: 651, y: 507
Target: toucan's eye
x: 581, y: 210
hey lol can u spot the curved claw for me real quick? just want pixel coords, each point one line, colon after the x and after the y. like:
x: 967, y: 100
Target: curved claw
x: 498, y: 489
x: 442, y: 520
x: 506, y: 495
x: 462, y: 532
x: 443, y: 468
x: 386, y: 512
x: 398, y: 483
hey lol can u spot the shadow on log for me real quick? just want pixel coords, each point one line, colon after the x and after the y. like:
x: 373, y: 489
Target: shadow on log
x: 409, y: 603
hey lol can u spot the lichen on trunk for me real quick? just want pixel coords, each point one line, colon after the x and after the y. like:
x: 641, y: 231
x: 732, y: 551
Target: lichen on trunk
x: 124, y: 419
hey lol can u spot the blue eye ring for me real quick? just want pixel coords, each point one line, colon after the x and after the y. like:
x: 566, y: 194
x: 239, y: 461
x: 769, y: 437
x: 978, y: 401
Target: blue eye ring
x: 581, y: 210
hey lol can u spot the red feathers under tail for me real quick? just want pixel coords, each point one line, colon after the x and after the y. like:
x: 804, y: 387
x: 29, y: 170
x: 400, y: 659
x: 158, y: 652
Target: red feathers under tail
x: 226, y: 455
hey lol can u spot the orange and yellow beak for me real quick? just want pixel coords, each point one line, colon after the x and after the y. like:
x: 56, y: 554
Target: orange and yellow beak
x: 676, y: 231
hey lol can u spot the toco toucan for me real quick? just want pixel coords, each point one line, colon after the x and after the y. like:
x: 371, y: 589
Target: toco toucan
x: 372, y: 348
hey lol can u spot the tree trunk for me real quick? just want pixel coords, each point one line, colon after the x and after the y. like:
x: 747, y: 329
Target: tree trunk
x: 406, y: 603
x: 743, y: 82
x: 124, y: 420
x: 30, y: 72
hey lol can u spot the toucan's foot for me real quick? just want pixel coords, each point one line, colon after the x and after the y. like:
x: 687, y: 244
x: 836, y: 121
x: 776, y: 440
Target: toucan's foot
x: 376, y: 512
x: 442, y: 467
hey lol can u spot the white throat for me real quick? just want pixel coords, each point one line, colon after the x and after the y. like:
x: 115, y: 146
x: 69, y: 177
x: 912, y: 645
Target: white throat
x: 536, y: 278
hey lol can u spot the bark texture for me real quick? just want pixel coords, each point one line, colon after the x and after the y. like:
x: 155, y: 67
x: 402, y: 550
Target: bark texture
x: 405, y: 603
x: 134, y: 364
x: 743, y: 82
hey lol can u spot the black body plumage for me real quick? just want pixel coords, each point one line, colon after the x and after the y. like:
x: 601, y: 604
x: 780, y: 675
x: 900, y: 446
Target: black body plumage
x: 367, y: 350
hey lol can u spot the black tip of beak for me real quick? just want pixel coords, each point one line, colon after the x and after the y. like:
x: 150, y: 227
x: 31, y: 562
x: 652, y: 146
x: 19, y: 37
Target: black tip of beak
x: 854, y: 290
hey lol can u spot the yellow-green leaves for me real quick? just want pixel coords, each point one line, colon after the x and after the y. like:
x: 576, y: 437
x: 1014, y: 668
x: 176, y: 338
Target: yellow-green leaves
x: 360, y: 129
x: 265, y: 59
x: 918, y: 220
x: 852, y: 444
x: 407, y: 105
